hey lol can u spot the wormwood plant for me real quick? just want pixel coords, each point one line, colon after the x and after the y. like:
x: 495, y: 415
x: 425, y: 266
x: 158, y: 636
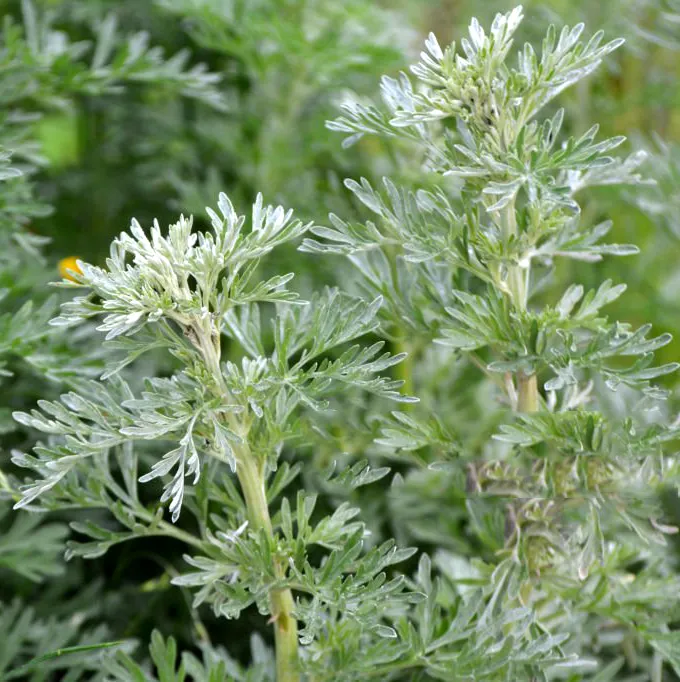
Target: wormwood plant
x: 553, y: 463
x: 534, y: 467
x: 193, y: 294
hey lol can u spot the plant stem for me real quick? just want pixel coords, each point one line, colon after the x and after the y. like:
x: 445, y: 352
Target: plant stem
x: 285, y: 625
x: 252, y: 481
x: 518, y: 285
x: 527, y: 392
x: 517, y: 275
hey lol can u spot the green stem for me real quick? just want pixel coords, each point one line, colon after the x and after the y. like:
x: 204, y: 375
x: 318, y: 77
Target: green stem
x: 518, y: 285
x: 281, y: 601
x: 517, y: 275
x: 527, y: 392
x: 252, y: 481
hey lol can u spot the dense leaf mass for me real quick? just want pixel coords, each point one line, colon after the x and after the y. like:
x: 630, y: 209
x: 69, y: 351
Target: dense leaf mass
x: 414, y: 420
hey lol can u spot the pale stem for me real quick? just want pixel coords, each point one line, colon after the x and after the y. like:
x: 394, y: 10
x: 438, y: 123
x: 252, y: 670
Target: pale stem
x: 527, y: 392
x: 252, y: 481
x: 518, y: 284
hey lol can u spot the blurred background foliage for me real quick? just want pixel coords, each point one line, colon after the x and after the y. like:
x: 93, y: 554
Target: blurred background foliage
x: 105, y: 126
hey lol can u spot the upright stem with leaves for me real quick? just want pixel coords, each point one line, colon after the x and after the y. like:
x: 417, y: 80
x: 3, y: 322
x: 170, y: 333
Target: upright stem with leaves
x: 563, y: 489
x: 535, y: 464
x: 193, y: 295
x: 251, y: 474
x: 518, y: 278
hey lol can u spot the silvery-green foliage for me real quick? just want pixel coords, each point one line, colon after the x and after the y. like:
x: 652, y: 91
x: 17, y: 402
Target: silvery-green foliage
x: 196, y: 295
x: 214, y: 665
x: 550, y: 557
x: 42, y: 72
x: 22, y: 325
x: 33, y: 559
x: 55, y: 80
x: 657, y: 206
x: 25, y: 633
x: 189, y: 286
x: 186, y: 275
x: 643, y: 23
x: 566, y: 486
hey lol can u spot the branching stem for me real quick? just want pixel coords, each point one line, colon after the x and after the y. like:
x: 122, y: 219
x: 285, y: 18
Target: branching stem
x: 252, y: 480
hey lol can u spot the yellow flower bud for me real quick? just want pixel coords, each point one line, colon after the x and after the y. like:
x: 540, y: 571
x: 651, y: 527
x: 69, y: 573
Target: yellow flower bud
x: 67, y: 266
